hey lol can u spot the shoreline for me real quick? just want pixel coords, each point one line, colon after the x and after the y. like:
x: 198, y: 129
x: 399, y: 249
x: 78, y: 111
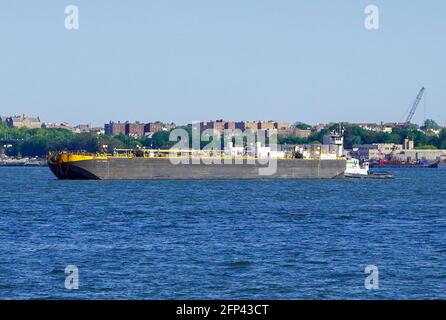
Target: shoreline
x: 24, y: 162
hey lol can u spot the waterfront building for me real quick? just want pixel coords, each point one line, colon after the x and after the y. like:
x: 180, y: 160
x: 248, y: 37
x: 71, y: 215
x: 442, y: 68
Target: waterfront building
x: 114, y: 128
x: 383, y: 127
x: 230, y: 125
x: 295, y: 132
x: 217, y: 125
x: 419, y: 155
x: 23, y: 122
x: 282, y: 125
x: 408, y: 144
x: 388, y: 126
x: 265, y: 125
x: 82, y: 128
x: 97, y: 130
x: 369, y: 126
x: 376, y: 151
x: 247, y: 125
x: 319, y: 127
x: 301, y: 133
x: 63, y: 125
x: 135, y: 130
x: 153, y: 127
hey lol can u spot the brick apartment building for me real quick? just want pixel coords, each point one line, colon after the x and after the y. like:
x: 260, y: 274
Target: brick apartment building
x: 153, y: 127
x: 217, y: 125
x: 134, y: 129
x: 82, y: 128
x: 282, y: 125
x: 247, y: 125
x: 230, y: 125
x: 114, y: 128
x: 266, y: 125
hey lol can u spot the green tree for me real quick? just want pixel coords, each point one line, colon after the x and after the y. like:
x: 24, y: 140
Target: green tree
x: 427, y: 147
x: 83, y: 141
x: 302, y: 126
x: 128, y: 142
x: 160, y: 140
x: 291, y: 140
x: 442, y: 139
x: 391, y: 138
x: 430, y: 124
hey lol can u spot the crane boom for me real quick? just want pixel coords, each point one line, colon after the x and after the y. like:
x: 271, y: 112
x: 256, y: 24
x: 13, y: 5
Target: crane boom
x: 414, y: 107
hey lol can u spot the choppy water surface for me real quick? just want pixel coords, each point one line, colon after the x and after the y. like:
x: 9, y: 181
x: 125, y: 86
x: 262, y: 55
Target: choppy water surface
x: 222, y: 239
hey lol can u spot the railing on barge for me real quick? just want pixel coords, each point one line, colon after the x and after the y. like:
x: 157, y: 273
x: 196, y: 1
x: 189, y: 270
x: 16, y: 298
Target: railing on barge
x: 163, y: 153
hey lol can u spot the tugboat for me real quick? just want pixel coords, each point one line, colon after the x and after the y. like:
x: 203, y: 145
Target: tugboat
x: 355, y: 170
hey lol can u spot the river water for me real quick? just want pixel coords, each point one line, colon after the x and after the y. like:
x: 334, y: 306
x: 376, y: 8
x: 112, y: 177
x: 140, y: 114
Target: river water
x: 222, y: 239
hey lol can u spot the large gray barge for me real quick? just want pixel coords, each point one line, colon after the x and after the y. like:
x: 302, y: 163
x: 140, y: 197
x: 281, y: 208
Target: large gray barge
x: 66, y: 166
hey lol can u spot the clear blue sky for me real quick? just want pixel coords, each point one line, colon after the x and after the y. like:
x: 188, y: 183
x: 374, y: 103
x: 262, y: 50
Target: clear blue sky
x: 311, y: 61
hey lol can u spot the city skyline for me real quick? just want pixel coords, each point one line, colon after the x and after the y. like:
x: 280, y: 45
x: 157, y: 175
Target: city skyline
x: 233, y: 120
x: 283, y: 60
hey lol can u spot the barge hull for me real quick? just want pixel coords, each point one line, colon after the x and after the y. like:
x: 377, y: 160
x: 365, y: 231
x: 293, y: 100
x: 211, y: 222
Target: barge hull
x: 163, y: 169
